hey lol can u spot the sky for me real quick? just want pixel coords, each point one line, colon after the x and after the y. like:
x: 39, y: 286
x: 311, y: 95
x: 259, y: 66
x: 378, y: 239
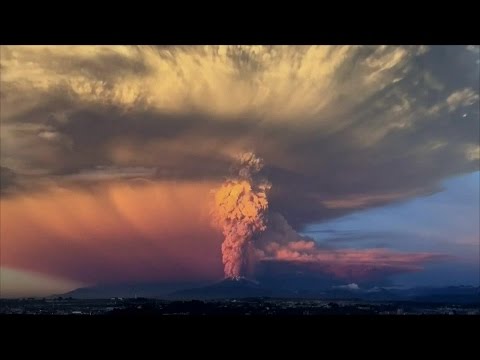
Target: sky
x: 445, y: 222
x: 109, y: 155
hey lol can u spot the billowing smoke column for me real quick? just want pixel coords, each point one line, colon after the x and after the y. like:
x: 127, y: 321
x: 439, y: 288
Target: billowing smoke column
x: 240, y: 211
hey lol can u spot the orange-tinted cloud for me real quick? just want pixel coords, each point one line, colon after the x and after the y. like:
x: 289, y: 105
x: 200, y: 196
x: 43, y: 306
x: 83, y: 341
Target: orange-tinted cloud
x: 282, y: 244
x: 353, y: 264
x: 113, y: 232
x: 131, y: 231
x: 341, y: 128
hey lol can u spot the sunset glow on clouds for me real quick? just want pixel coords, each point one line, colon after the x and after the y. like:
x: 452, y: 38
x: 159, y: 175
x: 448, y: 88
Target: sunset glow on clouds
x: 109, y: 154
x: 151, y: 232
x: 114, y: 232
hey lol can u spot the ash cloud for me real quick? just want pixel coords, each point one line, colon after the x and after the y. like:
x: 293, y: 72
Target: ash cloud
x: 112, y: 232
x: 340, y: 128
x: 8, y: 180
x: 239, y: 210
x: 253, y: 235
x: 280, y: 243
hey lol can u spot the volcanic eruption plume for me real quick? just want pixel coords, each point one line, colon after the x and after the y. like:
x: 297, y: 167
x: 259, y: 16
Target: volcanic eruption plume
x: 240, y: 211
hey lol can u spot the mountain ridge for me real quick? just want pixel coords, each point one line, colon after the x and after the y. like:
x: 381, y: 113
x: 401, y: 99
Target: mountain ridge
x: 236, y: 288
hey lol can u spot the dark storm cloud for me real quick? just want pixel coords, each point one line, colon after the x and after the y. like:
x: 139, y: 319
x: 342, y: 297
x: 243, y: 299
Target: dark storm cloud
x: 7, y: 179
x: 340, y: 128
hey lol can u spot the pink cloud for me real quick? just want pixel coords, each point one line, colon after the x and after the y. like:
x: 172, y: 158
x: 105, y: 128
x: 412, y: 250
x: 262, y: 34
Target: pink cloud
x: 348, y: 263
x: 115, y: 232
x: 281, y: 243
x: 156, y: 231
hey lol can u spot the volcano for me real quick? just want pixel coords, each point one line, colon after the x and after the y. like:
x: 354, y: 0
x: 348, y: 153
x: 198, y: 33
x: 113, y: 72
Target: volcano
x: 229, y: 288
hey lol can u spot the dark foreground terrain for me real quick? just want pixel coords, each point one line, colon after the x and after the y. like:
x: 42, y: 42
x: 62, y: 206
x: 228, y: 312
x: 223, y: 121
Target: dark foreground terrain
x: 247, y: 306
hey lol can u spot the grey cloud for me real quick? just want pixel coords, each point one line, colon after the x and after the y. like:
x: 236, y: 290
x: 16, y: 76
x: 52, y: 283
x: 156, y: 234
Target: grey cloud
x: 110, y: 173
x: 7, y: 179
x: 380, y: 128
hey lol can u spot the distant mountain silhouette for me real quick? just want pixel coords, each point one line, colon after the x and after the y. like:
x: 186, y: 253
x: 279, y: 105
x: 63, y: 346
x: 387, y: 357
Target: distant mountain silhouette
x: 129, y: 290
x: 238, y: 288
x: 452, y: 294
x: 227, y: 289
